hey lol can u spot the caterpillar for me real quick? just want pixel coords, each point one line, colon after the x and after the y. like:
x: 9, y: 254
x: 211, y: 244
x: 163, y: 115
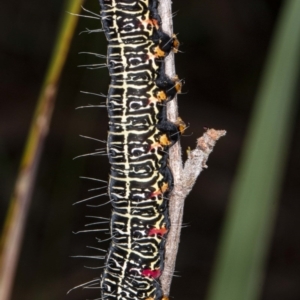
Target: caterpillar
x: 139, y: 137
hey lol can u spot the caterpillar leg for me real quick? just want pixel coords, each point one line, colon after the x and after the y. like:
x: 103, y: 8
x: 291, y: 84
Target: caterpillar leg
x: 172, y: 131
x: 170, y: 86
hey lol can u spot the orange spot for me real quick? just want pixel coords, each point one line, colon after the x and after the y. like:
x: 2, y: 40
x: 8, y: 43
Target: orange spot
x: 151, y: 273
x: 160, y: 231
x: 163, y: 140
x: 178, y: 84
x: 181, y: 125
x: 159, y: 53
x: 150, y: 298
x: 164, y: 187
x: 161, y: 95
x: 175, y: 43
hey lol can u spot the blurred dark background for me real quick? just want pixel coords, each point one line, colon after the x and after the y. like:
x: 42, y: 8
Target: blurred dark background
x: 224, y: 44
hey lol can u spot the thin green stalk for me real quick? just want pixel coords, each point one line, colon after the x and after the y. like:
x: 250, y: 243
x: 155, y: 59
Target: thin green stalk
x: 241, y: 259
x: 12, y: 234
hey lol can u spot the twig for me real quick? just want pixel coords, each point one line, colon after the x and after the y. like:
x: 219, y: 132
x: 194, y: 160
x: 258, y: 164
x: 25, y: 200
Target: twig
x: 184, y: 177
x: 12, y: 234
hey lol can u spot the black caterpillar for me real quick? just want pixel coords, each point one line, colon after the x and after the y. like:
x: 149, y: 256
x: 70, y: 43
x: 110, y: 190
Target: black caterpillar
x: 139, y: 137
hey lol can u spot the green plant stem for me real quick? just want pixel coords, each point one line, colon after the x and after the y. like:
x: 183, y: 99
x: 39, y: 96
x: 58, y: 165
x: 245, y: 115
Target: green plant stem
x: 241, y: 260
x: 13, y: 230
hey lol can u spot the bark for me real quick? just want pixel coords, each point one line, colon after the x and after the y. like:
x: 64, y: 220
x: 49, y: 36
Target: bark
x: 184, y: 177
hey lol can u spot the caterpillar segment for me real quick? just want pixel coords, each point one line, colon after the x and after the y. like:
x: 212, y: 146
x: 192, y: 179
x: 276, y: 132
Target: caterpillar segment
x: 139, y: 138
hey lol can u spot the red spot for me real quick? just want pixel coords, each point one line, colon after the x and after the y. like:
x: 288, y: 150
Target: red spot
x: 162, y: 190
x: 151, y: 22
x: 160, y: 231
x: 151, y: 273
x: 152, y: 99
x: 156, y: 193
x: 155, y: 23
x: 155, y: 145
x: 139, y: 24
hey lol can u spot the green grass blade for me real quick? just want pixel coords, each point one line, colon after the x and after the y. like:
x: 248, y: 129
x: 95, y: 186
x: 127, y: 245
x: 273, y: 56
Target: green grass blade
x: 13, y: 230
x: 240, y: 262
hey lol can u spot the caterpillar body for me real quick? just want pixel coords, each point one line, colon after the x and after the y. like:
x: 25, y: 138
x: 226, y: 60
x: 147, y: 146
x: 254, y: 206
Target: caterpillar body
x: 139, y: 137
